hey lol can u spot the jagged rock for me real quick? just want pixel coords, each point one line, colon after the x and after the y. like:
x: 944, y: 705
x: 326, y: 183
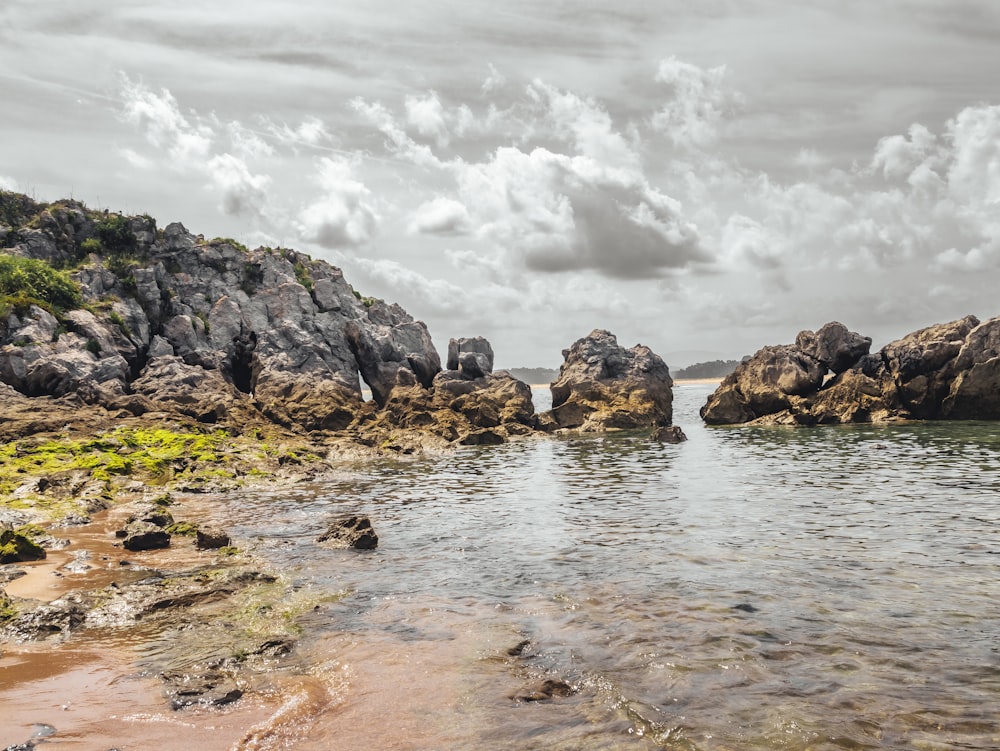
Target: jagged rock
x: 946, y: 371
x: 62, y: 617
x: 456, y: 407
x: 169, y: 383
x: 544, y: 691
x: 834, y: 346
x: 211, y: 538
x: 154, y: 515
x: 392, y: 341
x: 923, y: 364
x: 602, y: 385
x: 296, y: 401
x: 351, y: 531
x: 481, y: 364
x: 141, y: 535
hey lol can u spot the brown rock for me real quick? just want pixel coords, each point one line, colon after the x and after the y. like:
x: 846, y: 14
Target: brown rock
x: 351, y: 531
x: 602, y: 385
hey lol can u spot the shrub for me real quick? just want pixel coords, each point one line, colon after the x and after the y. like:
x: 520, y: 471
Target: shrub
x: 28, y: 281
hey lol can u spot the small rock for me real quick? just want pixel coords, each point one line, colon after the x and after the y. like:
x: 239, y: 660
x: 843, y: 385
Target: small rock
x: 142, y: 535
x: 669, y: 434
x: 545, y: 691
x: 211, y: 538
x: 352, y: 531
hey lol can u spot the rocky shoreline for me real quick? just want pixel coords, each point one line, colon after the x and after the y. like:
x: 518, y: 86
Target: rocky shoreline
x: 142, y: 367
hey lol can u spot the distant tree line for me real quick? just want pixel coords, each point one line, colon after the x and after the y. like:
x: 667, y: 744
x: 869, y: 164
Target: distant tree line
x: 534, y: 375
x: 711, y: 369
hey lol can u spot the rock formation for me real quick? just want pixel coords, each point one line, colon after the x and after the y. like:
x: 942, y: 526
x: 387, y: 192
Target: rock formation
x: 168, y: 321
x: 602, y: 385
x: 136, y: 320
x: 946, y: 371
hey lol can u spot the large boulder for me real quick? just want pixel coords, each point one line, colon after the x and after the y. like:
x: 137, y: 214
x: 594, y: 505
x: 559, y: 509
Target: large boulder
x: 923, y: 364
x: 388, y: 341
x: 602, y: 386
x: 834, y: 346
x: 473, y: 357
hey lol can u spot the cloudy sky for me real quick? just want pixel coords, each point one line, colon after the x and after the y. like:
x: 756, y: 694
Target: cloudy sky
x: 702, y: 176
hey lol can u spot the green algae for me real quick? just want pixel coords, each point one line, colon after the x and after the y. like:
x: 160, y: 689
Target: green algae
x: 16, y: 547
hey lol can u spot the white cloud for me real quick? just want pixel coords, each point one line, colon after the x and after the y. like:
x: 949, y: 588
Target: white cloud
x: 440, y: 216
x: 403, y: 283
x: 241, y: 191
x: 586, y: 125
x: 562, y: 213
x: 494, y: 81
x: 310, y: 132
x: 700, y: 102
x: 344, y: 215
x: 7, y: 183
x: 897, y: 156
x: 136, y: 159
x: 247, y: 143
x: 163, y: 124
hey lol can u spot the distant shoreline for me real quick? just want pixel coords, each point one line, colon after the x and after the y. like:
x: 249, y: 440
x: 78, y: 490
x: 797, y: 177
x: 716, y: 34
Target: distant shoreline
x: 677, y: 382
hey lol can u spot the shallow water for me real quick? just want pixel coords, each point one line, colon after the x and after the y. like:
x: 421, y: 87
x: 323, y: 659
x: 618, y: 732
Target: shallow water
x: 762, y: 588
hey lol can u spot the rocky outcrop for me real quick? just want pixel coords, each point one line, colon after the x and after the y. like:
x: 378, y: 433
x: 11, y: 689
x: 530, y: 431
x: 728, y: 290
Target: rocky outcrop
x: 207, y: 329
x: 946, y: 371
x: 602, y: 386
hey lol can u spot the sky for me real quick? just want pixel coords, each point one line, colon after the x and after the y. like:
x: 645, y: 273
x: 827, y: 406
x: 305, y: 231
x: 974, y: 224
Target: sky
x: 705, y: 177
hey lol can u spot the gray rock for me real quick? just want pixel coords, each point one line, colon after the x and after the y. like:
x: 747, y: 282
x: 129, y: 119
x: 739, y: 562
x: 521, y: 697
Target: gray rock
x: 834, y: 346
x: 477, y: 344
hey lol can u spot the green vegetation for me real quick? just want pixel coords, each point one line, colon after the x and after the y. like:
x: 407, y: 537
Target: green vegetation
x: 229, y: 241
x: 7, y: 609
x: 15, y: 547
x: 303, y: 276
x: 115, y: 234
x: 27, y: 281
x: 91, y: 245
x: 115, y: 317
x: 16, y: 210
x: 156, y: 454
x: 184, y: 529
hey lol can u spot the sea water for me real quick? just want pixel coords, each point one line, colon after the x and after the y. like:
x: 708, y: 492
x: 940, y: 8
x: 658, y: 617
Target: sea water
x: 754, y: 587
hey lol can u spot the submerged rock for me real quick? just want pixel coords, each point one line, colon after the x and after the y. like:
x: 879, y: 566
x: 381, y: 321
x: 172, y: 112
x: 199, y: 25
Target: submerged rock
x: 351, y: 531
x: 211, y: 687
x: 602, y: 386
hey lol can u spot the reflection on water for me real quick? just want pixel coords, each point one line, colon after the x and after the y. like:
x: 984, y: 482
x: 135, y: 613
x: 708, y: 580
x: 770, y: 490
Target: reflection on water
x: 772, y: 588
x: 753, y: 587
